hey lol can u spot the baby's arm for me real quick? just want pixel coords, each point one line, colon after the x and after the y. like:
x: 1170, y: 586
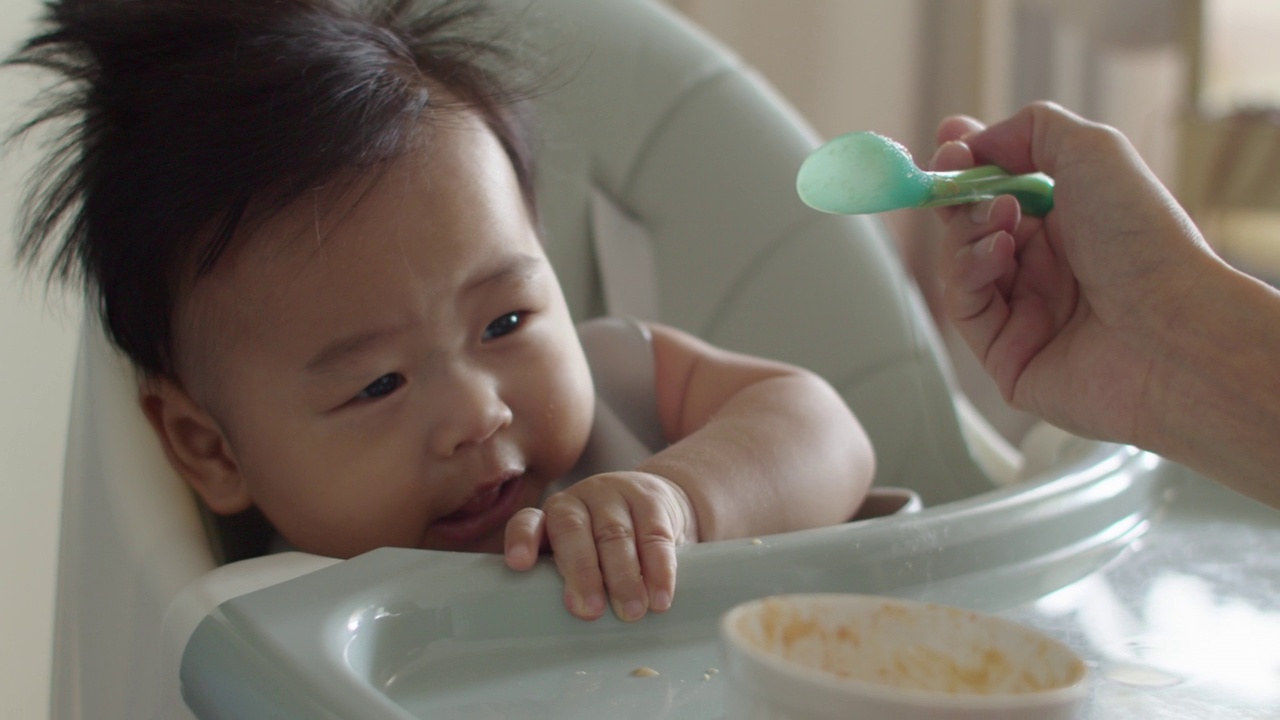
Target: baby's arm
x: 757, y: 447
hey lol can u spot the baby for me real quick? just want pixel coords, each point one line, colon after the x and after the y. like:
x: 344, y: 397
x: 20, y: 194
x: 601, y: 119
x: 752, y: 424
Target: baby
x: 310, y: 225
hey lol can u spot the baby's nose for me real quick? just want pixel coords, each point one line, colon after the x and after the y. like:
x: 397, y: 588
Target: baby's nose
x: 469, y: 410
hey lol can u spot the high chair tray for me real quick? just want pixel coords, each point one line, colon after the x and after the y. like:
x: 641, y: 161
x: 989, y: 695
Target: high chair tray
x: 1167, y: 584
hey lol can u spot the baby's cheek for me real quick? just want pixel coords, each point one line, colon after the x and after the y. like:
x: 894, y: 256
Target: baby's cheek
x: 567, y: 425
x: 354, y: 521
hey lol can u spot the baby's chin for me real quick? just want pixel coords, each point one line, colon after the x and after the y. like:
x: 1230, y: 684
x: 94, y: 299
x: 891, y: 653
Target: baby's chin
x: 491, y: 543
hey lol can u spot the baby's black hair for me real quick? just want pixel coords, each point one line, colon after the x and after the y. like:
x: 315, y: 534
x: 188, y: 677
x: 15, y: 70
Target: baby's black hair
x: 191, y: 120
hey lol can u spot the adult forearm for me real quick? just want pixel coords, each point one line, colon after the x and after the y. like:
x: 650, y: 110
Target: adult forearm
x: 1216, y: 405
x: 782, y: 455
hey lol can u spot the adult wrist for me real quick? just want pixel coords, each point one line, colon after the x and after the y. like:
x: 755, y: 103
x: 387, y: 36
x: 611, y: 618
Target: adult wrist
x: 1215, y: 405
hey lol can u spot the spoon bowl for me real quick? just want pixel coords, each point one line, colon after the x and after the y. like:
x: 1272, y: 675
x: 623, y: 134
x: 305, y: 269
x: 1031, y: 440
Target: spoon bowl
x: 863, y: 172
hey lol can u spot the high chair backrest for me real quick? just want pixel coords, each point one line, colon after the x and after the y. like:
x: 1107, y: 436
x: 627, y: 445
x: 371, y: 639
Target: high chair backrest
x: 667, y: 192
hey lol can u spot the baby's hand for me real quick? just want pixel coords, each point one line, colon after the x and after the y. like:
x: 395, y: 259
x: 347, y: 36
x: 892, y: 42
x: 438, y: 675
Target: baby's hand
x: 616, y: 531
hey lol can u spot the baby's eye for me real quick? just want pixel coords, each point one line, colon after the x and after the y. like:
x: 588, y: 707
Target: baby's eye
x: 384, y: 385
x: 503, y: 325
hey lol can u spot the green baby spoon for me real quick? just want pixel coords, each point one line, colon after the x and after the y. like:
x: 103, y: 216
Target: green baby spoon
x: 862, y: 172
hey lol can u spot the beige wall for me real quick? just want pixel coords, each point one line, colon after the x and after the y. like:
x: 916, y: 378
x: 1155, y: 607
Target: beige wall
x: 36, y: 356
x: 845, y: 65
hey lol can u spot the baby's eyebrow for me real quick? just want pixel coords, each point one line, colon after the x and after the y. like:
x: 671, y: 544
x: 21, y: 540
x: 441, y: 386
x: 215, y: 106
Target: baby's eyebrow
x: 513, y: 266
x: 333, y: 354
x: 339, y: 350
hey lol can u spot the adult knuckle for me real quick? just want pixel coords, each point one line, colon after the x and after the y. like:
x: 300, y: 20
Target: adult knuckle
x: 1045, y: 107
x: 1103, y: 137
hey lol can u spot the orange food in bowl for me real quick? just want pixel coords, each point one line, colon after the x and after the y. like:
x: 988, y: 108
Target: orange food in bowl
x: 894, y: 653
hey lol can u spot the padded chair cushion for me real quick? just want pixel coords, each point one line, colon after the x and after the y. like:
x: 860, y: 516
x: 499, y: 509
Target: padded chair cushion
x: 684, y: 141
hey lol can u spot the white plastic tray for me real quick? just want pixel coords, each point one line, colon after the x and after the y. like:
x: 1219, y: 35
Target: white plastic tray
x: 417, y: 634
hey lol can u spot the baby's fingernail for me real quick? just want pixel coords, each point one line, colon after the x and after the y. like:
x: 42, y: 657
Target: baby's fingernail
x: 661, y: 600
x: 980, y: 213
x: 594, y: 605
x: 635, y: 609
x: 590, y: 606
x: 631, y: 610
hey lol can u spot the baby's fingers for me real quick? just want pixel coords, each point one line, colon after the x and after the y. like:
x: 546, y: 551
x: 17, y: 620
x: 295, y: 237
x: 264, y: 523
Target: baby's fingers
x: 574, y: 549
x: 525, y: 533
x: 615, y: 535
x: 656, y: 544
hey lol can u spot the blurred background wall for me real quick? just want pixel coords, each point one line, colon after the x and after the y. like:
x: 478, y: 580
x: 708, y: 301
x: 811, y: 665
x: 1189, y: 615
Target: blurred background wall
x: 36, y: 357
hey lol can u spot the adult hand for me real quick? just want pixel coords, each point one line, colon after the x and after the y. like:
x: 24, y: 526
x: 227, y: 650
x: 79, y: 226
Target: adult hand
x: 1071, y: 314
x: 614, y: 532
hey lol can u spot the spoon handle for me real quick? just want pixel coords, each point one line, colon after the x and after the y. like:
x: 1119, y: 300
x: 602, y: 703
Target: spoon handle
x: 1034, y: 191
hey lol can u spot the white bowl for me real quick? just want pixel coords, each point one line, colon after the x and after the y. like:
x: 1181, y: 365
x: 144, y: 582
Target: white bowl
x: 877, y: 658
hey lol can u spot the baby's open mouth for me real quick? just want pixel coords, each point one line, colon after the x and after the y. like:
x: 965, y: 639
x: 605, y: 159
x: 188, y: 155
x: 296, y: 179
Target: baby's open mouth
x: 477, y: 504
x: 483, y: 513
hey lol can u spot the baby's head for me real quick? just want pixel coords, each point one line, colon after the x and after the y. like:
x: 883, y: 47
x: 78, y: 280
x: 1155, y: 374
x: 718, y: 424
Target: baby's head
x: 310, y: 225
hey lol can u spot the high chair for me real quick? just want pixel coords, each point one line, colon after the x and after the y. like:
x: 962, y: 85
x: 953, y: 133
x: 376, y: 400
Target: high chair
x: 667, y: 192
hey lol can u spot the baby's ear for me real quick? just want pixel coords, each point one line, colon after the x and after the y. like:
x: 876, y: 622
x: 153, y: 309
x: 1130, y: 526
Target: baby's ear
x: 195, y: 445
